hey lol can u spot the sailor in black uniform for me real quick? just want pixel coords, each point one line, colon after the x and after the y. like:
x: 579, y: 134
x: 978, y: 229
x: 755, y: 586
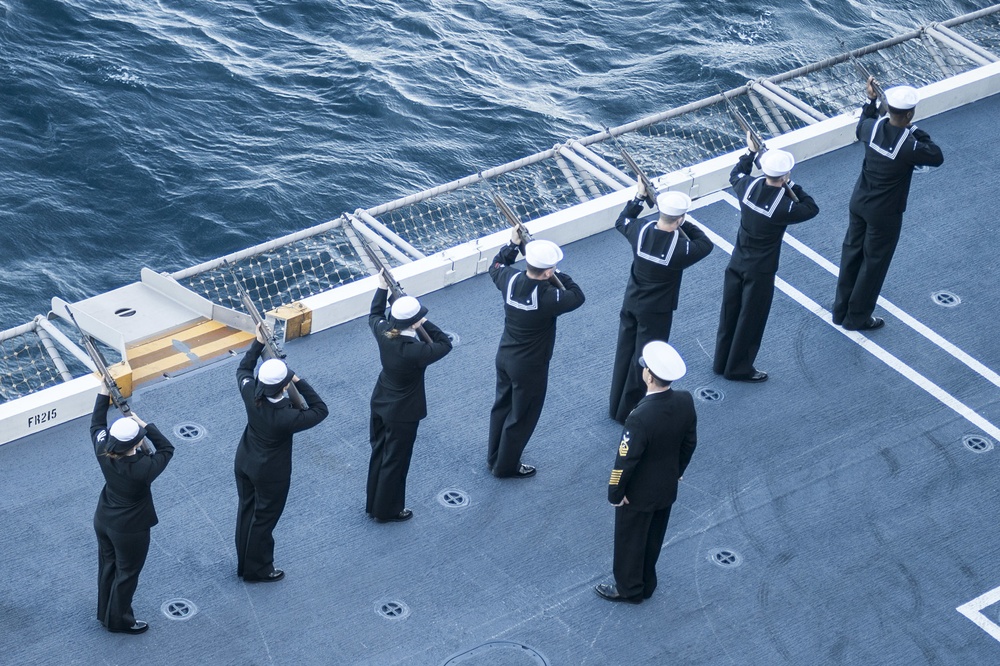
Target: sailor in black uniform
x: 657, y: 443
x: 765, y: 210
x: 661, y: 249
x: 893, y: 147
x: 398, y: 401
x: 263, y: 464
x: 125, y: 510
x: 531, y: 305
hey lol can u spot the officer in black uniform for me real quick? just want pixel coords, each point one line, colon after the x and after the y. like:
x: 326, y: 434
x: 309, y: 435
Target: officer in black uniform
x: 657, y: 443
x: 263, y: 464
x: 398, y: 401
x: 531, y: 305
x: 661, y: 249
x: 765, y: 210
x: 893, y: 147
x: 125, y: 511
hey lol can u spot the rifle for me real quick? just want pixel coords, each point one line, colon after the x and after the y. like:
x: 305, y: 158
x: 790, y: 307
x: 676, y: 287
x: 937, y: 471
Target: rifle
x: 883, y: 105
x: 757, y: 139
x: 515, y: 222
x: 647, y: 184
x: 271, y: 347
x: 395, y: 288
x: 101, y: 364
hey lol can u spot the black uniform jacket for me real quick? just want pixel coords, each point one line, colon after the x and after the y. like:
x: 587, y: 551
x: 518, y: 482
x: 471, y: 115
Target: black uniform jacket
x: 765, y: 211
x: 890, y: 155
x: 265, y: 450
x: 658, y: 257
x: 530, y: 309
x: 126, y: 504
x: 658, y: 441
x: 399, y: 393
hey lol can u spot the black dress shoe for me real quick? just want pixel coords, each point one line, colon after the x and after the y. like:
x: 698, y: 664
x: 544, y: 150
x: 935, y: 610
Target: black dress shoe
x: 872, y: 324
x: 524, y: 471
x: 272, y: 577
x: 755, y: 377
x: 610, y: 592
x: 136, y: 628
x: 405, y: 514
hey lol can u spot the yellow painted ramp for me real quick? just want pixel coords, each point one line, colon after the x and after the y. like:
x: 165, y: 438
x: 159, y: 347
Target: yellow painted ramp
x: 183, y: 348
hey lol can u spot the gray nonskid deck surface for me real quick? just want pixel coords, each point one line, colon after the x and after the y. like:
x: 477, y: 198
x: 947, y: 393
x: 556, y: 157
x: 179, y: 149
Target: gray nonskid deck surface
x: 861, y: 519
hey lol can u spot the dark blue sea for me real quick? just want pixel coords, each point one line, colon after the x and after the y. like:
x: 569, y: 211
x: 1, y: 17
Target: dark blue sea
x: 163, y: 133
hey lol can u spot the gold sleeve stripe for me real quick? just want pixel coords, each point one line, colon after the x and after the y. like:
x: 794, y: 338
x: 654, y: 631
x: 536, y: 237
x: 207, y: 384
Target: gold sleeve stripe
x: 616, y: 475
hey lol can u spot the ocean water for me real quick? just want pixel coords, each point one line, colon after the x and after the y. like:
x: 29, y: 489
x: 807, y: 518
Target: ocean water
x: 163, y: 133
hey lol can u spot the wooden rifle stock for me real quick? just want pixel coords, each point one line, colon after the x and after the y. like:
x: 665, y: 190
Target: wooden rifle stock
x: 271, y: 347
x: 395, y: 288
x: 101, y: 364
x: 758, y: 140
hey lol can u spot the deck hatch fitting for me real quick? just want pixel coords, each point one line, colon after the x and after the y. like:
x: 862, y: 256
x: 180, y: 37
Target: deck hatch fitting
x: 946, y: 299
x: 189, y: 432
x: 392, y: 610
x: 179, y: 609
x: 709, y: 394
x: 125, y: 312
x: 725, y: 558
x: 453, y: 498
x: 978, y: 443
x: 505, y: 652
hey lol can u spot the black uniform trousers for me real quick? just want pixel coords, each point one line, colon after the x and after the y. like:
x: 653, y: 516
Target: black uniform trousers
x: 634, y: 331
x: 638, y: 540
x: 864, y: 262
x: 516, y: 410
x: 120, y: 557
x: 392, y: 448
x: 261, y: 504
x: 746, y: 303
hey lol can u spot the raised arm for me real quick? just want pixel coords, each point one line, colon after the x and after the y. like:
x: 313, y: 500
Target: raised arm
x: 377, y: 312
x: 570, y: 298
x: 315, y: 413
x: 437, y: 348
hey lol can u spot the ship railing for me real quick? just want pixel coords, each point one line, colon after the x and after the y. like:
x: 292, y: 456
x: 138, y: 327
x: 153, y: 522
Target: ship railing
x: 286, y: 270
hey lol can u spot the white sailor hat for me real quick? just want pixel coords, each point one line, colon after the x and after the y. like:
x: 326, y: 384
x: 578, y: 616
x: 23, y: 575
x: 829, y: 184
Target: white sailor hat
x: 542, y: 254
x: 776, y: 163
x: 673, y: 204
x: 903, y: 98
x: 273, y: 375
x: 405, y: 312
x: 125, y: 434
x: 663, y: 361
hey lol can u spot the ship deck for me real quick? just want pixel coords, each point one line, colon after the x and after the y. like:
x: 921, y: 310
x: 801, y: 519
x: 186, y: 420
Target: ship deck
x: 856, y: 518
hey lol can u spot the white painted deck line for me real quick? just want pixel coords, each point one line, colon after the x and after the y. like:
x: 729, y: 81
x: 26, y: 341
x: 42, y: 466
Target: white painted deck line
x: 972, y: 610
x: 874, y: 349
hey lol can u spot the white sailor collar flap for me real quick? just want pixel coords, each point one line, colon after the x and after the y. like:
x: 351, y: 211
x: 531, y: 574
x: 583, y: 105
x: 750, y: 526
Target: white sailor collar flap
x: 892, y: 152
x: 529, y: 303
x: 665, y: 259
x: 749, y: 203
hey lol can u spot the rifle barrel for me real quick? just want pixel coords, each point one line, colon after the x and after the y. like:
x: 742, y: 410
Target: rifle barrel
x: 395, y: 288
x: 271, y: 347
x: 114, y: 392
x: 516, y: 222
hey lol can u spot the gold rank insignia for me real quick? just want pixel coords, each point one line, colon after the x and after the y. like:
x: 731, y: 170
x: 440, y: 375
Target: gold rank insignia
x: 623, y: 447
x: 616, y: 476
